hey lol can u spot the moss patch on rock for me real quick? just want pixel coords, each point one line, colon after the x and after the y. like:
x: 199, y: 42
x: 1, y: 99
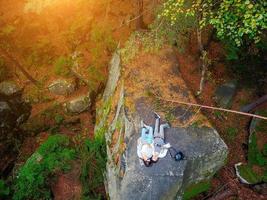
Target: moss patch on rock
x: 196, y: 189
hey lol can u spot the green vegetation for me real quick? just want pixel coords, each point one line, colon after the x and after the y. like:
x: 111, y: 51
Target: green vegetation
x: 196, y: 189
x: 231, y: 132
x: 248, y: 174
x: 235, y: 20
x: 62, y: 65
x: 93, y: 157
x: 218, y: 115
x: 4, y: 190
x: 255, y: 156
x: 59, y: 118
x: 35, y: 175
x: 147, y: 42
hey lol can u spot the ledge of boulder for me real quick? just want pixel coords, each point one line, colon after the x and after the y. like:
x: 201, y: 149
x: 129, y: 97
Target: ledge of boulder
x: 132, y: 97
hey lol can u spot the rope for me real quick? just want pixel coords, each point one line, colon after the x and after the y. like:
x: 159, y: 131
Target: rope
x: 214, y: 108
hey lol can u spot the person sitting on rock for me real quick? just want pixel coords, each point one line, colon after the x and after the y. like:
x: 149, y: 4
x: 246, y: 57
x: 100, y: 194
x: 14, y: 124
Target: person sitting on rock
x: 145, y: 144
x: 160, y: 148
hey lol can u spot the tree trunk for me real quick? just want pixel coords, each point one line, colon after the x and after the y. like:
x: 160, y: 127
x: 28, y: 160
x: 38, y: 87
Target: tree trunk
x: 204, y: 61
x: 254, y: 104
x: 17, y: 64
x: 140, y: 21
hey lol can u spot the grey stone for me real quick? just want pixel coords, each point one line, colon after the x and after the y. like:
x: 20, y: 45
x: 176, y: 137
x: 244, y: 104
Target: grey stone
x: 78, y: 105
x: 114, y: 74
x: 13, y: 112
x: 62, y: 87
x: 204, y: 150
x: 224, y: 94
x: 9, y: 88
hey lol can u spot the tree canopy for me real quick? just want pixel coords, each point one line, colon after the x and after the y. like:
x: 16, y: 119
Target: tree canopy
x: 235, y: 20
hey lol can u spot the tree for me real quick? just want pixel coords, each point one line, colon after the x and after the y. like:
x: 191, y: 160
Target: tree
x: 234, y: 20
x: 6, y: 45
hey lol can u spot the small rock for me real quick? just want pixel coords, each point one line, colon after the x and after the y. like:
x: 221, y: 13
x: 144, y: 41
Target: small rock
x: 78, y: 105
x: 62, y: 87
x: 9, y: 88
x: 224, y: 94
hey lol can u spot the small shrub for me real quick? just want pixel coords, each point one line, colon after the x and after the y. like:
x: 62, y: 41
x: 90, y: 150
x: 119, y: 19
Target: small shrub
x: 148, y: 42
x: 59, y: 118
x: 231, y: 132
x: 255, y: 157
x: 196, y: 189
x: 248, y: 174
x: 61, y: 66
x: 34, y: 176
x: 4, y: 190
x: 93, y: 156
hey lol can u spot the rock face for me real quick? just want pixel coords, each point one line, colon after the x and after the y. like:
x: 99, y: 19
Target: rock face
x: 13, y: 112
x: 62, y: 87
x: 224, y: 94
x: 128, y: 100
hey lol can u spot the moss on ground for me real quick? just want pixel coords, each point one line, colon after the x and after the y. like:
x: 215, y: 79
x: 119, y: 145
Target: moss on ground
x: 196, y: 189
x: 248, y: 174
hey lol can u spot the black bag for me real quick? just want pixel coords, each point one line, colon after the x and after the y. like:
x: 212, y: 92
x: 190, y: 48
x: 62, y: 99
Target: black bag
x: 176, y: 155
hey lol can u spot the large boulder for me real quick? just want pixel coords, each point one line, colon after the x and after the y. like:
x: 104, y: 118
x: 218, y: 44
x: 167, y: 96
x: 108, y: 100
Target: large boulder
x: 140, y: 90
x: 13, y: 112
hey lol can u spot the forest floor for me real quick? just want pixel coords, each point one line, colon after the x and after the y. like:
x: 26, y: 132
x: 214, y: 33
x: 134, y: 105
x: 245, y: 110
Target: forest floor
x: 217, y: 74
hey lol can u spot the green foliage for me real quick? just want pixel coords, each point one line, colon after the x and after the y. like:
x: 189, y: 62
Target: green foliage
x: 130, y: 49
x: 218, y: 114
x: 234, y: 20
x: 147, y: 42
x: 34, y: 176
x: 248, y: 174
x: 265, y: 150
x: 4, y: 190
x: 231, y: 132
x: 59, y: 118
x: 61, y: 66
x: 262, y: 125
x: 196, y: 189
x: 240, y: 19
x: 255, y: 157
x: 41, y: 53
x: 93, y: 157
x: 103, y: 43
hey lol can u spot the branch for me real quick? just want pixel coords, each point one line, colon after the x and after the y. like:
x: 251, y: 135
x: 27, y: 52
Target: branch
x: 255, y: 104
x: 17, y: 64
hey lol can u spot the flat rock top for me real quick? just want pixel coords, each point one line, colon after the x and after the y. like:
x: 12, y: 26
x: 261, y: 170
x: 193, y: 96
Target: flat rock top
x: 151, y: 76
x: 156, y: 181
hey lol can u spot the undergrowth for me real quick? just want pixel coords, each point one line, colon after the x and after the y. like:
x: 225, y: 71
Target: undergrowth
x: 62, y: 65
x: 147, y: 42
x: 92, y: 153
x: 34, y: 177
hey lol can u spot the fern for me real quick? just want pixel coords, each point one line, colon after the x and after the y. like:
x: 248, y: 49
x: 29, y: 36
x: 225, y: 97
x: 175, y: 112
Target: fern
x: 34, y: 177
